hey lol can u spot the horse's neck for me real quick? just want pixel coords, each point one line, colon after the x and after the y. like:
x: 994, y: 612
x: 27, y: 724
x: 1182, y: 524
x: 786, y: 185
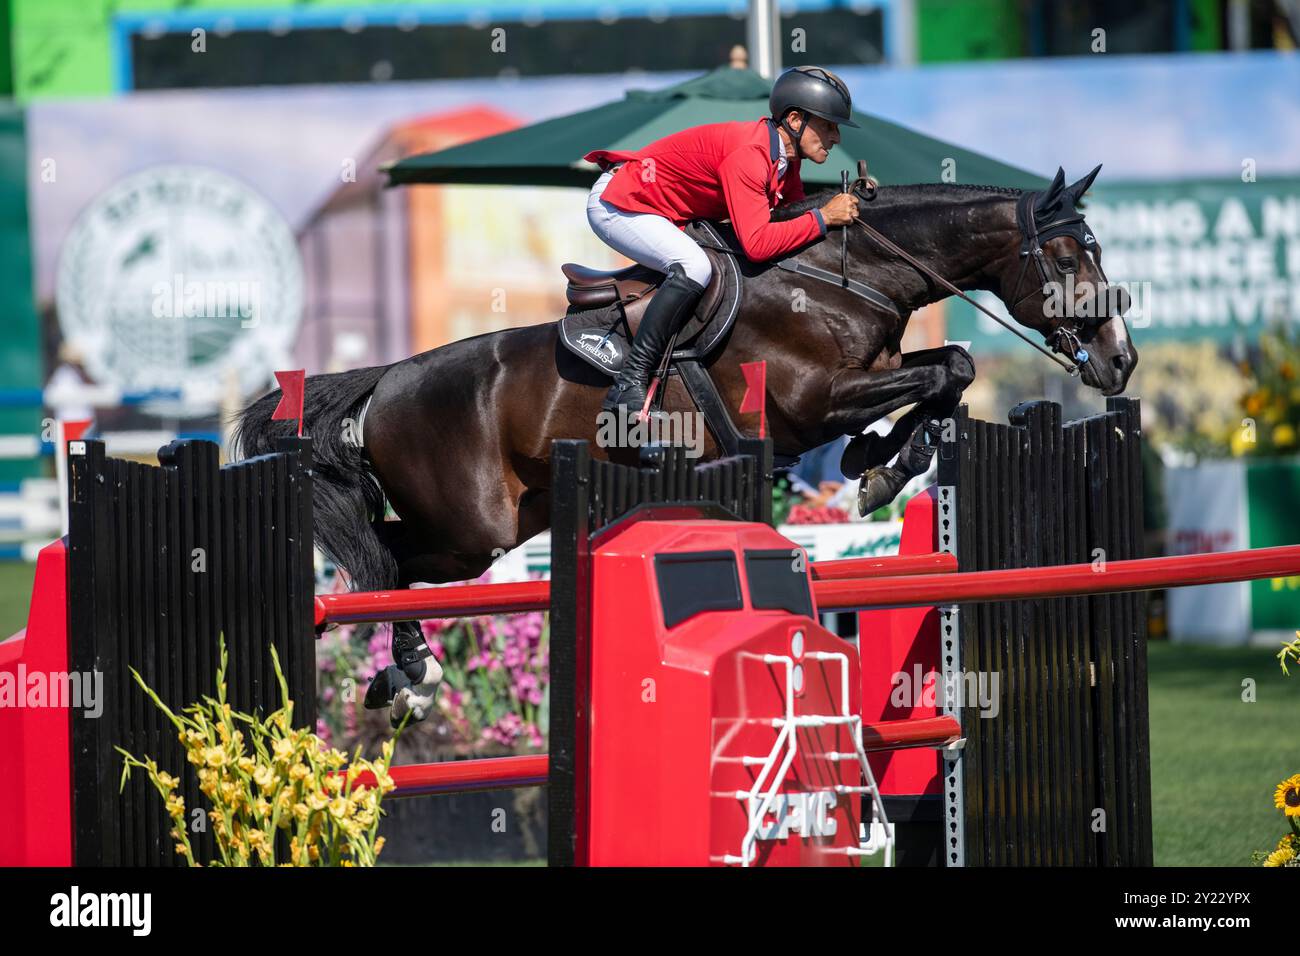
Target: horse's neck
x: 960, y: 241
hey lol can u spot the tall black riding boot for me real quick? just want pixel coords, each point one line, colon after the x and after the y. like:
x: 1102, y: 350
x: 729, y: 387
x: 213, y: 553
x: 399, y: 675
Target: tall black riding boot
x: 667, y: 312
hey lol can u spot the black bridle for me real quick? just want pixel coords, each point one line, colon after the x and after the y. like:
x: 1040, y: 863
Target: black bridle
x: 1064, y: 338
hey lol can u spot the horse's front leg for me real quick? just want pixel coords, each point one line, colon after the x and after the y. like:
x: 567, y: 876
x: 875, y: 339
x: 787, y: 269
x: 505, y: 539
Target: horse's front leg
x: 936, y: 380
x: 958, y: 371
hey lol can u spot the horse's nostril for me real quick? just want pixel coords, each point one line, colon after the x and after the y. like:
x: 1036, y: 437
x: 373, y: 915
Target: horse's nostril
x: 1120, y: 362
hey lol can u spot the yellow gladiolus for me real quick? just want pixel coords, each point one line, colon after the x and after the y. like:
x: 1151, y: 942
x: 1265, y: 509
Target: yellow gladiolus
x: 287, y: 782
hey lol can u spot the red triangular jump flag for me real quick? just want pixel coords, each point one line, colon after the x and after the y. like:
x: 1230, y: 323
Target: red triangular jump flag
x: 292, y: 389
x: 73, y: 429
x: 755, y: 393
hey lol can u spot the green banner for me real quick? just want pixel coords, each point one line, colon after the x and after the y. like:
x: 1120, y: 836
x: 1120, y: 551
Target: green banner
x: 1272, y: 490
x: 21, y: 366
x: 1201, y: 259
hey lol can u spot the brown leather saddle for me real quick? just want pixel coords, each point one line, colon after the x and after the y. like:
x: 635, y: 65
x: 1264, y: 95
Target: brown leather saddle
x: 605, y: 307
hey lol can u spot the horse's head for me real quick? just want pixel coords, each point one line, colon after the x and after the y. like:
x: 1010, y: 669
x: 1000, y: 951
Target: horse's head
x: 1055, y: 285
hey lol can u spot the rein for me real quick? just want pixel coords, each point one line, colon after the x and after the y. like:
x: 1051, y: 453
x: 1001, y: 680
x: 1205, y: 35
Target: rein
x: 1064, y: 339
x: 921, y: 267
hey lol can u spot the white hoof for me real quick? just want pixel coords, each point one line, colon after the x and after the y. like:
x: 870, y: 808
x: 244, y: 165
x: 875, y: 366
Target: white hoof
x: 418, y: 699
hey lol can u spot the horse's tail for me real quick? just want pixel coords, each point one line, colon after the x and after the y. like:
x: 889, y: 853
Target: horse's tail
x: 346, y: 497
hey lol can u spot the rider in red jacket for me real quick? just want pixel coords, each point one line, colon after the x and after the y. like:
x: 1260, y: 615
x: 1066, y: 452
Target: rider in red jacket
x: 738, y: 171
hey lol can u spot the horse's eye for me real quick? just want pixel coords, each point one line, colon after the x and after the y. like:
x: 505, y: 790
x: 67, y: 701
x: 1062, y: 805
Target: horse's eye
x: 1067, y: 263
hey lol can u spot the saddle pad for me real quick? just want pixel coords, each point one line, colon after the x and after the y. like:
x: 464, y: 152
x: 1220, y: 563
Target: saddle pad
x: 601, y: 337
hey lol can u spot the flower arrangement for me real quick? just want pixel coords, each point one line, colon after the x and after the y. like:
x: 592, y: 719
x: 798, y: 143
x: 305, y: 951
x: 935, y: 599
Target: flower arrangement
x: 264, y: 778
x: 813, y: 514
x: 496, y: 679
x: 1271, y: 399
x: 1287, y: 795
x: 1290, y: 651
x: 1287, y: 852
x: 494, y: 685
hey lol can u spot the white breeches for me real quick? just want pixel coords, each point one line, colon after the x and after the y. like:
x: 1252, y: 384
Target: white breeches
x: 644, y: 237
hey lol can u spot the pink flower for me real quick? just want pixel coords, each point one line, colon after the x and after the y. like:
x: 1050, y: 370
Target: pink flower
x: 435, y: 626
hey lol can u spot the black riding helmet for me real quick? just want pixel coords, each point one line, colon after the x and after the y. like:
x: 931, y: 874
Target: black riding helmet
x: 810, y: 89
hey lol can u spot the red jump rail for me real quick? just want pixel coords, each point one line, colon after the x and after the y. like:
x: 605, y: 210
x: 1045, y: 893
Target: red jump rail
x: 499, y: 773
x: 1013, y: 584
x: 886, y: 565
x: 461, y: 600
x: 465, y: 776
x: 915, y: 732
x: 472, y: 600
x: 856, y: 583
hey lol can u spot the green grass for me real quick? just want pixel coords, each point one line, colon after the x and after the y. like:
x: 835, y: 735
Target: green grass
x: 15, y: 595
x: 1216, y: 760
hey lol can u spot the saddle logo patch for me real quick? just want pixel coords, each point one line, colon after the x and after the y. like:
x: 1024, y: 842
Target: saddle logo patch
x: 598, y: 346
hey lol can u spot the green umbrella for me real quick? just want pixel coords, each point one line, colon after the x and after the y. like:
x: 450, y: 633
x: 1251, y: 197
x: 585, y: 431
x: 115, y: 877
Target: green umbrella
x: 550, y: 153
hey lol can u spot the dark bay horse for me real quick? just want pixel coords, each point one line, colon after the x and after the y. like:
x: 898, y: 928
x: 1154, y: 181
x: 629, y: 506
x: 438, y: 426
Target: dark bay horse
x: 458, y: 439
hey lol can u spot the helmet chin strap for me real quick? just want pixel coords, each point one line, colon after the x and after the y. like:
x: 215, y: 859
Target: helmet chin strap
x: 796, y: 137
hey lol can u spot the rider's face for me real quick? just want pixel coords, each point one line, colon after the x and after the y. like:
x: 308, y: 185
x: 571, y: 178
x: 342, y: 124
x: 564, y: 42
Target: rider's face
x: 818, y: 139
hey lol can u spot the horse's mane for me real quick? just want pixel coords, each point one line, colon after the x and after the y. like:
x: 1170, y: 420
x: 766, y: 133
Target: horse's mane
x: 908, y: 195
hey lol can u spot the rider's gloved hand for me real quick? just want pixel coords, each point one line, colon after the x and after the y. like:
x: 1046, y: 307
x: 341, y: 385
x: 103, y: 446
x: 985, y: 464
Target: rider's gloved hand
x: 841, y: 210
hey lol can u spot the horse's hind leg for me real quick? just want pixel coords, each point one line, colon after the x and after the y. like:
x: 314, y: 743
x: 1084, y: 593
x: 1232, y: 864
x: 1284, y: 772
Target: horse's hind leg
x: 411, y: 683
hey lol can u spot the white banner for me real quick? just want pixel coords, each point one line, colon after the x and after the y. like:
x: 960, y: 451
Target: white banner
x: 1207, y: 512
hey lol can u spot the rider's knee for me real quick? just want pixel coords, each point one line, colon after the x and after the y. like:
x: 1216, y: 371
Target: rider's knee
x: 698, y: 268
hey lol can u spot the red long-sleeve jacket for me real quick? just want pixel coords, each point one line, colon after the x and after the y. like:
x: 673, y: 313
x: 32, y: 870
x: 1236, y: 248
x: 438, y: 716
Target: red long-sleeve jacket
x: 716, y: 171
